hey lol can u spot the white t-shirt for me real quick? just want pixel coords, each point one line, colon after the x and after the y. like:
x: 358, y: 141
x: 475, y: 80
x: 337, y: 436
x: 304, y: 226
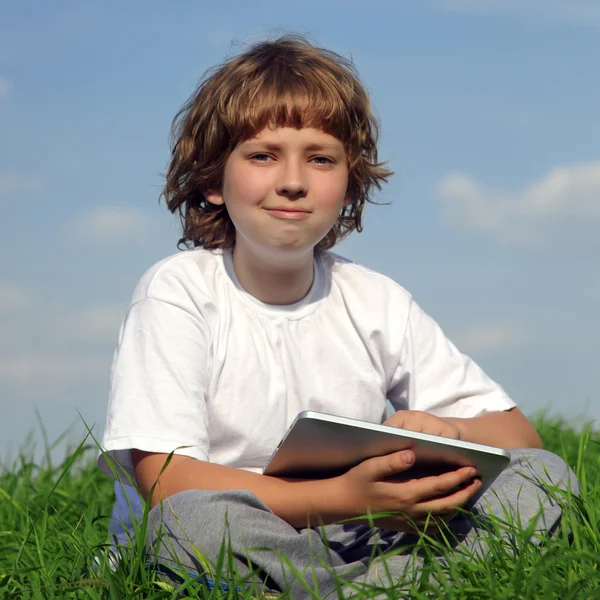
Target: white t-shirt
x: 204, y: 369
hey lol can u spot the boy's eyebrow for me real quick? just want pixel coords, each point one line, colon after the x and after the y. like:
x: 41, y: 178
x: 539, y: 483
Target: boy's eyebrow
x: 314, y: 147
x: 328, y: 147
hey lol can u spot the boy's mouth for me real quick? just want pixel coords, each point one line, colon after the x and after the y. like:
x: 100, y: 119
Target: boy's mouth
x: 288, y: 213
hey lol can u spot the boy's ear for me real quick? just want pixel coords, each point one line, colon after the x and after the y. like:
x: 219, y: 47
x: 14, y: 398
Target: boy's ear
x: 214, y: 197
x: 348, y: 201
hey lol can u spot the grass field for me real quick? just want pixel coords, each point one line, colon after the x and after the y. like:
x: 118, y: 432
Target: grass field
x: 53, y: 521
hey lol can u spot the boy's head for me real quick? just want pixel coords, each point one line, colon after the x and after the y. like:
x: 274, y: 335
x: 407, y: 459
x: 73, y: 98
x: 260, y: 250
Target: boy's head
x: 283, y: 83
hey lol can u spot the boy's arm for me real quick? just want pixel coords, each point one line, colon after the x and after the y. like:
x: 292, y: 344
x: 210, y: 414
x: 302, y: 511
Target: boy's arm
x: 437, y: 389
x: 295, y: 501
x: 505, y: 429
x: 369, y: 486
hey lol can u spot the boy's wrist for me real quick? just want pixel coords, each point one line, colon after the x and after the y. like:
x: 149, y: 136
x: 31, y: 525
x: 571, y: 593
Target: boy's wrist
x: 324, y: 501
x: 459, y: 424
x: 312, y: 502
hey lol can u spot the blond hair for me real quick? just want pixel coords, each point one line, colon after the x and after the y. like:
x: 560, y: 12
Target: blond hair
x: 285, y: 82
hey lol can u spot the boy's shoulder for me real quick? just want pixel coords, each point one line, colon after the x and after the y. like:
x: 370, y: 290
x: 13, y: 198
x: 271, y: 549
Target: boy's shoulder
x: 184, y: 273
x: 345, y: 271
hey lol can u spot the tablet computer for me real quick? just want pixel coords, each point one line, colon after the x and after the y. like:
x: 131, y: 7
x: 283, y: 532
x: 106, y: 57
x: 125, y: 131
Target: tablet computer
x: 318, y: 445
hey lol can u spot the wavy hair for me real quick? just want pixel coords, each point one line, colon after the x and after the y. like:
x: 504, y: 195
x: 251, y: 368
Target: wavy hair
x: 284, y: 82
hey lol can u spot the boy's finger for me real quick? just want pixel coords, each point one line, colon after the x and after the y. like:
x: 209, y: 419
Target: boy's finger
x: 382, y: 467
x: 451, y: 502
x: 433, y: 487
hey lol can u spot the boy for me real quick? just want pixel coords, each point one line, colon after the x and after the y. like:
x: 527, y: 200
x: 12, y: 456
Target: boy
x: 274, y: 158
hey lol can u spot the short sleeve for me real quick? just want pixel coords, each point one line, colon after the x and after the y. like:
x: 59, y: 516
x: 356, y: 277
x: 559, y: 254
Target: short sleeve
x: 157, y: 392
x: 434, y: 377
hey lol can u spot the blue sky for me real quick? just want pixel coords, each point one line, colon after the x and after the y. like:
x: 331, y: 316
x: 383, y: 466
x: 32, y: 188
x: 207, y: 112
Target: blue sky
x: 490, y: 117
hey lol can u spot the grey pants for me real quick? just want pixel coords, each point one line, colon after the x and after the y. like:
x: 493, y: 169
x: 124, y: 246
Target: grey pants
x: 192, y: 526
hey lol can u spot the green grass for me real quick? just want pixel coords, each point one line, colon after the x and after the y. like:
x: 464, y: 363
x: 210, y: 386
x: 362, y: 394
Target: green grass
x: 53, y: 521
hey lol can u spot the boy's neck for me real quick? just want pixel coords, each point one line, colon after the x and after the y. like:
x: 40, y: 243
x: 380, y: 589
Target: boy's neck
x: 274, y: 281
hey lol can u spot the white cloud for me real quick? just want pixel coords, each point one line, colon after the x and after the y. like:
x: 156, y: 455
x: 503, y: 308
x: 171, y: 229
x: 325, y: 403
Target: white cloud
x: 580, y: 12
x: 5, y: 87
x: 44, y: 347
x: 12, y: 185
x: 561, y: 207
x: 13, y: 298
x: 35, y: 373
x: 98, y: 324
x: 489, y: 339
x: 110, y: 224
x: 61, y: 327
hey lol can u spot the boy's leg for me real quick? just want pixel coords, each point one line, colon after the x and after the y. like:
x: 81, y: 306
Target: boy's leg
x: 518, y: 496
x: 127, y: 508
x: 194, y: 521
x: 519, y: 491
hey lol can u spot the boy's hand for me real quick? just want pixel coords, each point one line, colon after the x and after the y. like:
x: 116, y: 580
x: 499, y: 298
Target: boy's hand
x: 418, y: 504
x: 417, y: 420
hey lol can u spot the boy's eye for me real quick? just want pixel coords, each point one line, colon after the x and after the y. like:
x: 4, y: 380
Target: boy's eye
x: 322, y: 160
x: 260, y: 157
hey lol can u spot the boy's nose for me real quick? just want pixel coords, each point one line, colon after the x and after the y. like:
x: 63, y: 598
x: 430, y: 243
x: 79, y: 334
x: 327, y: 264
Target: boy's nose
x: 292, y: 184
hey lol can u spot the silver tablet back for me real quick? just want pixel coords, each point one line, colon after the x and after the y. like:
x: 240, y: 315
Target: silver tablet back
x: 319, y: 445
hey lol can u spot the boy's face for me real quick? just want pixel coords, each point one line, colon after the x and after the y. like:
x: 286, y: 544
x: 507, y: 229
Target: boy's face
x: 284, y: 189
